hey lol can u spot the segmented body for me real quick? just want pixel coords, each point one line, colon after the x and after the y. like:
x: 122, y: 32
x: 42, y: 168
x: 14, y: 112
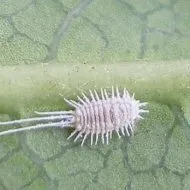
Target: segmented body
x: 101, y: 115
x: 96, y: 115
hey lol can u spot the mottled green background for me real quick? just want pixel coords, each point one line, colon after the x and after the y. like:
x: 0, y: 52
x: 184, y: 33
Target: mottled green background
x: 49, y: 47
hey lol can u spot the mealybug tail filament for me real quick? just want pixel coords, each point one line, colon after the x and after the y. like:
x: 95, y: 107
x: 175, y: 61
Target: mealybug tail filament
x: 60, y: 119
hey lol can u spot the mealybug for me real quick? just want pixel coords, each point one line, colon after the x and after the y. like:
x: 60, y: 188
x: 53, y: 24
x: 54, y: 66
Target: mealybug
x: 96, y: 115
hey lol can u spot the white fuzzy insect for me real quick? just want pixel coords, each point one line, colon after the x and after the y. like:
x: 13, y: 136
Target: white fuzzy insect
x: 94, y: 116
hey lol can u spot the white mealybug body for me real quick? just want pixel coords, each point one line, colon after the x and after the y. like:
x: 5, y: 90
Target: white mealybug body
x: 96, y: 115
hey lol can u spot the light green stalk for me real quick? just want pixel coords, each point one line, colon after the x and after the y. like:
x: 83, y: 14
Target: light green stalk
x: 39, y: 86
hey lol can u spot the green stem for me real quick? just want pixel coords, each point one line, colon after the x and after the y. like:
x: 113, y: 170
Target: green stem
x: 41, y: 85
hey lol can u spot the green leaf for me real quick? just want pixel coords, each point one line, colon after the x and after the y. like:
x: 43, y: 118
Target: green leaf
x: 53, y: 47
